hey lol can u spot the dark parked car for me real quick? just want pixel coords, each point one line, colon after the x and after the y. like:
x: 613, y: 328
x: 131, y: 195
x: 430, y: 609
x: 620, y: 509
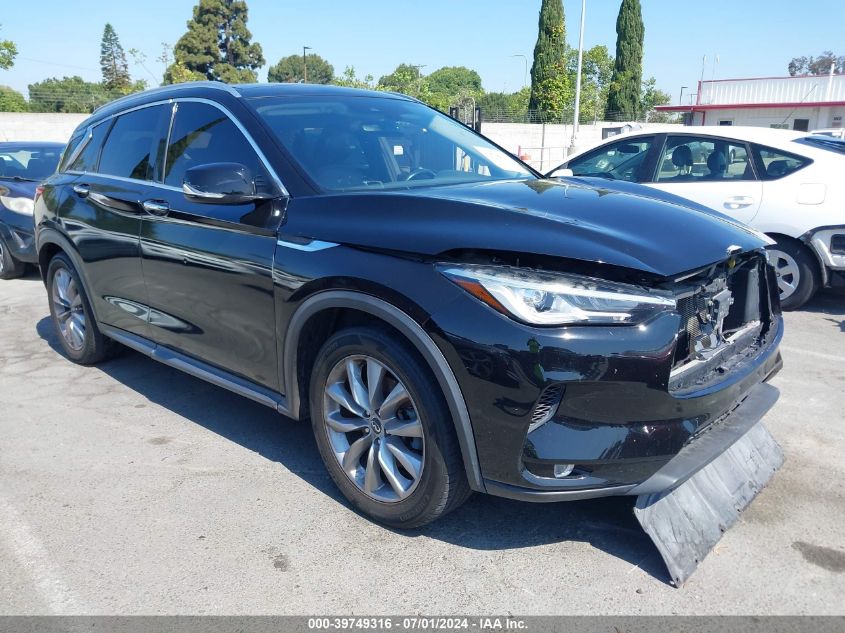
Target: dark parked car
x: 448, y: 319
x: 22, y: 167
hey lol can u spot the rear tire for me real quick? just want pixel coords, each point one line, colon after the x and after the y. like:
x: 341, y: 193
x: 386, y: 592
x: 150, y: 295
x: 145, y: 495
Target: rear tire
x: 395, y: 458
x: 10, y: 268
x: 72, y: 316
x: 797, y: 273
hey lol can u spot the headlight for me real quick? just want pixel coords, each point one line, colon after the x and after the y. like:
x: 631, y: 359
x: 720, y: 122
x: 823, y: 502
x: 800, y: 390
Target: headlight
x: 19, y: 205
x: 544, y: 298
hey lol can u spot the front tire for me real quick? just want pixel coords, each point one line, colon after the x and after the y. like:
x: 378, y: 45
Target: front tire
x: 10, y: 268
x: 797, y: 273
x: 384, y: 430
x: 72, y: 316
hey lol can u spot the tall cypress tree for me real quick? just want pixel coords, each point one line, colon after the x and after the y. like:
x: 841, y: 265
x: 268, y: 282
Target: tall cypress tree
x: 623, y: 99
x: 217, y: 45
x: 113, y: 61
x: 548, y: 72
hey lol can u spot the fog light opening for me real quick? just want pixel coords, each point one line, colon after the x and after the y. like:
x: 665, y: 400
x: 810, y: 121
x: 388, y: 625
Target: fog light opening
x: 563, y: 470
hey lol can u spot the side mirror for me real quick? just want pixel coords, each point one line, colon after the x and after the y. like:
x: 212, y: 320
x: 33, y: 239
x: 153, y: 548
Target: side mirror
x: 560, y: 172
x: 221, y: 183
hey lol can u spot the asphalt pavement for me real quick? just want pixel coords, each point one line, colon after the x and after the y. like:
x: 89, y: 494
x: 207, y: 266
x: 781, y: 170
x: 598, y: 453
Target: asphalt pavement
x: 131, y: 488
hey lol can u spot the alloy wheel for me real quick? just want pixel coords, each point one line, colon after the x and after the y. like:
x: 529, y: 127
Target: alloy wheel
x: 787, y: 271
x: 67, y: 304
x: 373, y: 427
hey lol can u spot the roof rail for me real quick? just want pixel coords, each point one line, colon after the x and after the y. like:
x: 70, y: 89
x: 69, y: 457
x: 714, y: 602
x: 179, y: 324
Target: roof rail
x: 216, y: 85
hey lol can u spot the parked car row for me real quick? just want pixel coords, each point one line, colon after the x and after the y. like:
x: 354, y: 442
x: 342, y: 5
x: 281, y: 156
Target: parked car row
x: 786, y: 184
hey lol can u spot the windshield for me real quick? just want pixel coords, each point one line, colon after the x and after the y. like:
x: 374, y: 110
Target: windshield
x: 28, y: 163
x: 369, y: 143
x: 831, y: 144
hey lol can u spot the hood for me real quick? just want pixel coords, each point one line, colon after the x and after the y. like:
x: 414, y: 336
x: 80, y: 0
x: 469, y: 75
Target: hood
x: 17, y: 188
x: 544, y: 217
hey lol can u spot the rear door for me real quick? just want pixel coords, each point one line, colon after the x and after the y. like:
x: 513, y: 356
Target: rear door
x: 208, y: 267
x: 716, y: 172
x: 103, y: 213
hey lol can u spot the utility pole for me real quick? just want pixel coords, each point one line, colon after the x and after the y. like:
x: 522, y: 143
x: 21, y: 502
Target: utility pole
x: 419, y: 77
x: 578, y: 79
x: 525, y: 74
x: 305, y: 64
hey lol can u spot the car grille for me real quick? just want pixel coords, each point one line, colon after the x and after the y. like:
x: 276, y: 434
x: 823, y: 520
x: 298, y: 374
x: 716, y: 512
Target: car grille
x: 704, y: 329
x: 546, y: 405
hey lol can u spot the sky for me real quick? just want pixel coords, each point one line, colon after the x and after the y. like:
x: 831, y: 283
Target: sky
x: 752, y: 38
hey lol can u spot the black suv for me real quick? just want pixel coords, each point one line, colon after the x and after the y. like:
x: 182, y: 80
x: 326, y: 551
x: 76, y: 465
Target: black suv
x: 447, y: 318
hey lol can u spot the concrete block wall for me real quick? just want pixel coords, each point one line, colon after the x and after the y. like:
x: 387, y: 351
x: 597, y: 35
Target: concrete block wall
x: 30, y: 126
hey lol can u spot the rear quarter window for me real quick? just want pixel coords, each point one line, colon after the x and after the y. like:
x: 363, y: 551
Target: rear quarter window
x: 774, y: 163
x: 86, y: 159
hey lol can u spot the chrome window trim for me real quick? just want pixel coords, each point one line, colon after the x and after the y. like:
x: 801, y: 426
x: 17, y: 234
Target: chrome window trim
x: 146, y: 183
x: 176, y: 101
x: 89, y: 134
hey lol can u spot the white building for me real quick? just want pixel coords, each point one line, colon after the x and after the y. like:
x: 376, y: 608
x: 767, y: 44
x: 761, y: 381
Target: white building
x: 797, y: 103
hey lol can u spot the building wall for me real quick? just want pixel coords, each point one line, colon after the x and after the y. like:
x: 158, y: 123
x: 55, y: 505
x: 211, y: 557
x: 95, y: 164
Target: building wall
x: 773, y: 90
x: 819, y: 117
x: 28, y: 126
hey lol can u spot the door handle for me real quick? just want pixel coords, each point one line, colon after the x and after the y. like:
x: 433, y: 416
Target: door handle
x: 156, y: 207
x: 739, y: 202
x: 81, y: 190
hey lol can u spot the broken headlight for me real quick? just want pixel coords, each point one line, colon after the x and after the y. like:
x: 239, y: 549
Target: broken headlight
x: 546, y: 298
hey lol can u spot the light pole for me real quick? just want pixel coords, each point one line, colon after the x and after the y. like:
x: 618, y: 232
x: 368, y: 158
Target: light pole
x: 305, y: 64
x: 578, y: 79
x: 681, y: 98
x: 419, y: 76
x: 525, y: 74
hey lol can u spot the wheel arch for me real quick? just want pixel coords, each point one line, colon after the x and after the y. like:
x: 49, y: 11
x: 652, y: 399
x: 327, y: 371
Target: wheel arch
x: 325, y: 306
x: 50, y: 243
x: 804, y: 241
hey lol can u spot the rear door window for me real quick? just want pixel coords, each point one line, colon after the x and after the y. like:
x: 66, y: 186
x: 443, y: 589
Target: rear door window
x: 775, y: 163
x: 132, y: 147
x: 703, y: 159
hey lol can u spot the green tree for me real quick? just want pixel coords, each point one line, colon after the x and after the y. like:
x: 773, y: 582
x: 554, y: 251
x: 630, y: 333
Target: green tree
x: 653, y: 96
x: 406, y: 79
x: 549, y: 82
x: 8, y: 52
x: 817, y: 65
x: 73, y: 94
x: 596, y: 71
x: 452, y: 80
x: 11, y: 100
x: 623, y: 99
x: 113, y: 61
x: 290, y: 70
x: 452, y: 86
x: 350, y: 79
x: 68, y: 94
x: 217, y: 45
x: 505, y: 107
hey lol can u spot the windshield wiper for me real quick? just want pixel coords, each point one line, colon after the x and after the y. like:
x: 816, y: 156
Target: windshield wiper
x: 18, y: 179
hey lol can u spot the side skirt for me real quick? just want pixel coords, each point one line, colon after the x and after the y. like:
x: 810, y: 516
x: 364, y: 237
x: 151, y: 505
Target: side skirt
x: 199, y: 369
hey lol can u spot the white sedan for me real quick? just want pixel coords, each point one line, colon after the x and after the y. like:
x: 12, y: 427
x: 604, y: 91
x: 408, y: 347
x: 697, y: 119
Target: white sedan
x: 789, y: 185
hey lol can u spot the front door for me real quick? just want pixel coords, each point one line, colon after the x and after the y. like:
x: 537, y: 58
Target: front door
x: 717, y: 173
x: 208, y: 267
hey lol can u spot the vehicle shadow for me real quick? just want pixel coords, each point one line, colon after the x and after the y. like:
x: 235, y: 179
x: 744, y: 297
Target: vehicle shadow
x: 483, y: 523
x: 830, y: 302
